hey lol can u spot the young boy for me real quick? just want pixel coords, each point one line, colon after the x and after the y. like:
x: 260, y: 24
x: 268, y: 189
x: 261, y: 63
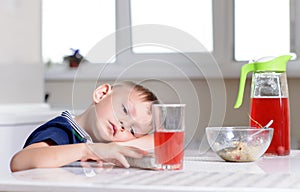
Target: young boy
x: 110, y: 129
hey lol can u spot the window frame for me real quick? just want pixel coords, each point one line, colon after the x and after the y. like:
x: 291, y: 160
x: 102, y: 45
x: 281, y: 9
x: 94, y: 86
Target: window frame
x: 223, y: 51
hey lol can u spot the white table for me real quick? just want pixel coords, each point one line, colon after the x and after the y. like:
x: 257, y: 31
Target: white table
x: 201, y: 173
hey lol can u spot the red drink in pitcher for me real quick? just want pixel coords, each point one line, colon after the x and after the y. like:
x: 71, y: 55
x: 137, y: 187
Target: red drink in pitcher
x: 169, y: 147
x: 277, y: 109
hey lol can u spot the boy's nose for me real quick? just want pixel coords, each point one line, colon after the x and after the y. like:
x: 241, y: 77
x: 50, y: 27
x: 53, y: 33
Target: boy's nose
x: 125, y: 126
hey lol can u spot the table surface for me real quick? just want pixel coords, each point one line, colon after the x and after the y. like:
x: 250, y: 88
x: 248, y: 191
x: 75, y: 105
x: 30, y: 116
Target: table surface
x: 201, y: 173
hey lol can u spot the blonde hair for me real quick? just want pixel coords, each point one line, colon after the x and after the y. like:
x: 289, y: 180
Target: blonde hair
x: 144, y: 93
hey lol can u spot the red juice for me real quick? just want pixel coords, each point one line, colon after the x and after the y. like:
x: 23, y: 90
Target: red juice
x: 169, y: 147
x: 265, y: 109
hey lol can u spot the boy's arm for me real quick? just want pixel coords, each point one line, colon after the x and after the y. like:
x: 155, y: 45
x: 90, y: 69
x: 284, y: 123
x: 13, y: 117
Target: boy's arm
x: 43, y: 155
x: 145, y: 142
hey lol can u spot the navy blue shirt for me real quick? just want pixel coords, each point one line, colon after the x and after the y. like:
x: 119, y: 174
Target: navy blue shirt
x: 58, y: 131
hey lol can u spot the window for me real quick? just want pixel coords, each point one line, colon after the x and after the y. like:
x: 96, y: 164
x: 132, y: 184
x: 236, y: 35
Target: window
x: 75, y: 24
x: 231, y: 32
x: 262, y: 28
x: 193, y: 17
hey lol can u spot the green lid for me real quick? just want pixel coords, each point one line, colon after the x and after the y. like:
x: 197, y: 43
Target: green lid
x: 275, y: 65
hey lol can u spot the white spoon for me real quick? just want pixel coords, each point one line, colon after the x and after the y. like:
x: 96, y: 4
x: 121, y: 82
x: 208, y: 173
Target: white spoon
x: 263, y: 128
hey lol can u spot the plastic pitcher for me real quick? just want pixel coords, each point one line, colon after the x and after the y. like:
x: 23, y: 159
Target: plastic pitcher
x: 269, y: 100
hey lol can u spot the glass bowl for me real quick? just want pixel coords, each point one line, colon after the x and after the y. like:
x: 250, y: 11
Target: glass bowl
x: 239, y: 144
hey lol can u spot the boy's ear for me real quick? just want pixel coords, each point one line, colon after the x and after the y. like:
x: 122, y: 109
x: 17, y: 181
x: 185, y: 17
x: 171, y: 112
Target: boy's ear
x: 101, y: 92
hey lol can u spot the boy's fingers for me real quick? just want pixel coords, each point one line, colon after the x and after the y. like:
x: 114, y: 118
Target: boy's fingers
x: 122, y: 160
x: 138, y: 150
x: 129, y: 152
x: 134, y: 153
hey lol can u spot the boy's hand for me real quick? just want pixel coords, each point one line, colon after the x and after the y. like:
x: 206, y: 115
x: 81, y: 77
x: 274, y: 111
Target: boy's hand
x: 112, y: 152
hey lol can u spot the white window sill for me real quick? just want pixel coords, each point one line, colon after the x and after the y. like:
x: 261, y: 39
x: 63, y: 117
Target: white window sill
x: 153, y: 71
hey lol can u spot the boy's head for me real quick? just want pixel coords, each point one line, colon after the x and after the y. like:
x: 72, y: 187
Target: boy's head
x: 123, y: 111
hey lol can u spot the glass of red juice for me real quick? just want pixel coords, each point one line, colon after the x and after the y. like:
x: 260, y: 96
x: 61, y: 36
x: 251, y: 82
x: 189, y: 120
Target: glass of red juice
x: 169, y: 125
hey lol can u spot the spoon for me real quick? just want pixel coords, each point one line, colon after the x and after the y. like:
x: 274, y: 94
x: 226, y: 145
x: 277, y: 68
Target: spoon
x: 263, y: 128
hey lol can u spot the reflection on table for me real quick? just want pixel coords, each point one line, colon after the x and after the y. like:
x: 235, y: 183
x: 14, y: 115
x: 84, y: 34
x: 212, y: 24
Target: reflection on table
x: 200, y: 173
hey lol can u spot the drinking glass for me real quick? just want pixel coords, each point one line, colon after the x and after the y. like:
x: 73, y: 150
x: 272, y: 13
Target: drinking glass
x: 169, y: 126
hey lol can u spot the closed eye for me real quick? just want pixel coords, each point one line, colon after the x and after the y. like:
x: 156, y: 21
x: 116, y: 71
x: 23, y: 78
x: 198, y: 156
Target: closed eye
x: 132, y: 131
x: 124, y: 109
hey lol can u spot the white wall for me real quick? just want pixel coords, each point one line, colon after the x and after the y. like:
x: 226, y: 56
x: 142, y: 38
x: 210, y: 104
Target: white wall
x: 21, y: 74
